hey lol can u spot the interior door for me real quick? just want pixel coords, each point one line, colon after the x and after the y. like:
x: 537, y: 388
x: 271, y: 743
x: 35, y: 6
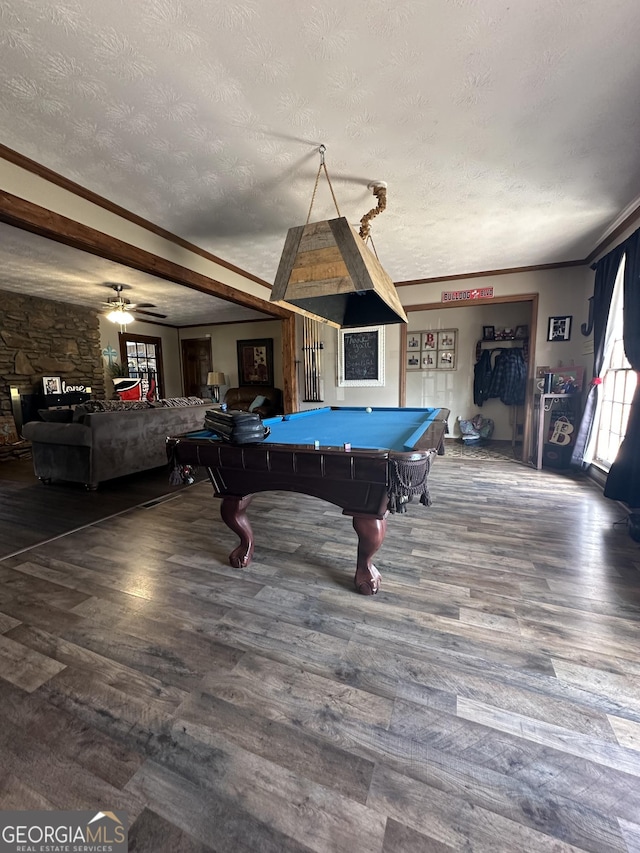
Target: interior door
x: 142, y: 356
x: 196, y: 363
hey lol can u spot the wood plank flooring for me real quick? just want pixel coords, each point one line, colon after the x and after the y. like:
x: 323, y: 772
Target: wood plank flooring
x: 488, y: 699
x: 32, y: 512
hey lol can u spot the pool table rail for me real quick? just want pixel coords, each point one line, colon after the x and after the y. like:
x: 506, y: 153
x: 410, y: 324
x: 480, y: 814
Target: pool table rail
x: 357, y: 480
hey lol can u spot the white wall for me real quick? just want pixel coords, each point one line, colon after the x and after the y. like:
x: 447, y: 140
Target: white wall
x: 334, y: 395
x: 453, y: 389
x: 560, y: 292
x: 224, y: 350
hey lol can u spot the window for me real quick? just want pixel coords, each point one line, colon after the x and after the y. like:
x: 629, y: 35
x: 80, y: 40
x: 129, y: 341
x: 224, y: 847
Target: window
x: 618, y: 385
x: 143, y: 356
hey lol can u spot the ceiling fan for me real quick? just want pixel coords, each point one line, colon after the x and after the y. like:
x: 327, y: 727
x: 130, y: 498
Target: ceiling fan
x: 121, y: 309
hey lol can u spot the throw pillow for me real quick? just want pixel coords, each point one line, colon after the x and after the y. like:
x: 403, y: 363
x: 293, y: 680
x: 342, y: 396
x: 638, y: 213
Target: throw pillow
x: 175, y: 402
x: 107, y: 406
x: 122, y: 405
x: 258, y: 401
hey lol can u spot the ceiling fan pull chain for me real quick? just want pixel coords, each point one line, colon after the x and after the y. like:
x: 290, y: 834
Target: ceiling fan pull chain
x: 322, y: 166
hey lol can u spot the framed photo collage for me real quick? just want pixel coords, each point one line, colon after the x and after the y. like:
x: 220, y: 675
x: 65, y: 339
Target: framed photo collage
x: 432, y: 350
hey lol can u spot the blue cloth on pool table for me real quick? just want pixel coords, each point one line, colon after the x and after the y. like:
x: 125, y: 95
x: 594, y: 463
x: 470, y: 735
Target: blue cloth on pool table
x: 380, y: 429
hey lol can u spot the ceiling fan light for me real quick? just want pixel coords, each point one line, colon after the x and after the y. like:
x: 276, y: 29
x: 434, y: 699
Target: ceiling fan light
x: 120, y: 316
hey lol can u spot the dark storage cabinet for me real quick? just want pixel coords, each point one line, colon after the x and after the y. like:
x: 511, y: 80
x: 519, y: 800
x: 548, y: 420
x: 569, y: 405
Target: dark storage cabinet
x: 31, y: 403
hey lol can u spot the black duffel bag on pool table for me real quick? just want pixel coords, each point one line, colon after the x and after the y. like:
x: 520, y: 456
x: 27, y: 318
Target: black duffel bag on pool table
x: 236, y: 427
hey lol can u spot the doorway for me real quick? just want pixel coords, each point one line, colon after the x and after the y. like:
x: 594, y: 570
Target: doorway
x: 196, y: 364
x: 458, y: 383
x: 142, y: 355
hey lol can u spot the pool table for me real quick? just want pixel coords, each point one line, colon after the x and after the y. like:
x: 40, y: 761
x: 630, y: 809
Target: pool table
x: 367, y: 461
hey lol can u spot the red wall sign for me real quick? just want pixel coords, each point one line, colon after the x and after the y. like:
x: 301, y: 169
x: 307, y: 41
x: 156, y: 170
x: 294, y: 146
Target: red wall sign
x: 463, y: 295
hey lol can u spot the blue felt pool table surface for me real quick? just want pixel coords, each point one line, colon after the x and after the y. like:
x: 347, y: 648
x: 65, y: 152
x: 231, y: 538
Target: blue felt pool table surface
x: 381, y: 428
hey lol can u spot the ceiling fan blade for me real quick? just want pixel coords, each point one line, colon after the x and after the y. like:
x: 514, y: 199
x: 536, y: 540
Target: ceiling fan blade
x: 124, y: 304
x: 148, y: 313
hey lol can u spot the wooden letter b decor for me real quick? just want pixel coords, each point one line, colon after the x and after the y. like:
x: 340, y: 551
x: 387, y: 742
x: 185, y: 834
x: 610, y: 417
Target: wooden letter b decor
x: 561, y: 432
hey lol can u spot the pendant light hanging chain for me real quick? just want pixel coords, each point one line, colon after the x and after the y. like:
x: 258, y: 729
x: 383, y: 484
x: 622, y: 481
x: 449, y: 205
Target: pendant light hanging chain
x: 322, y: 166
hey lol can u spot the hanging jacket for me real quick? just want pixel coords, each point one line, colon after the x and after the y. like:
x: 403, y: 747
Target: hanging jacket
x: 482, y: 378
x: 509, y: 377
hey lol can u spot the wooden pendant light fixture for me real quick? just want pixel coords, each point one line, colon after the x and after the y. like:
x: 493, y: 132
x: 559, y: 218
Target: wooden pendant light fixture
x: 327, y: 268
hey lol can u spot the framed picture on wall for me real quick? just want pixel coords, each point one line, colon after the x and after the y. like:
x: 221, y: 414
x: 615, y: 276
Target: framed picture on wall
x: 567, y: 380
x: 413, y: 341
x: 446, y: 360
x: 255, y: 362
x: 447, y: 339
x: 438, y: 350
x: 559, y: 328
x: 429, y: 340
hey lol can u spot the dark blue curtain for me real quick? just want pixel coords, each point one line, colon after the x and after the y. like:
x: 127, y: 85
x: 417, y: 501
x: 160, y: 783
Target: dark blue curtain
x: 606, y: 271
x: 623, y: 482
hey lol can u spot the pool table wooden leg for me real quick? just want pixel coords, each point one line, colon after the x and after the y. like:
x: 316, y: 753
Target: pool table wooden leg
x: 370, y: 532
x: 233, y: 511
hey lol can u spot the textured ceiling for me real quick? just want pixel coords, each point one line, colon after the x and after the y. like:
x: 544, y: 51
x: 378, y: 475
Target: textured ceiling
x: 35, y: 265
x: 506, y: 131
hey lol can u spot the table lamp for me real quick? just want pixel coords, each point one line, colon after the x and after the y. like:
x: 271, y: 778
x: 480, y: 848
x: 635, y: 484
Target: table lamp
x: 214, y: 380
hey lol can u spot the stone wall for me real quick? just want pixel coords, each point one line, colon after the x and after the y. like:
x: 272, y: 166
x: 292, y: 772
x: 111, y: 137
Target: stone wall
x: 39, y: 338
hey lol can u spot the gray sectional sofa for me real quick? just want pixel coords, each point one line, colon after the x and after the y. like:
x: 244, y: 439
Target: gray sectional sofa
x: 101, y: 445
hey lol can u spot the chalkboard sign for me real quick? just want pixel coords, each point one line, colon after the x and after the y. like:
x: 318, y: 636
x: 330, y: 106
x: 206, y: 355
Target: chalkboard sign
x: 361, y: 356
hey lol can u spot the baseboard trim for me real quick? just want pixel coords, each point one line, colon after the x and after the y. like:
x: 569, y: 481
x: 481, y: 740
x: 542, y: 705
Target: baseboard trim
x: 598, y: 475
